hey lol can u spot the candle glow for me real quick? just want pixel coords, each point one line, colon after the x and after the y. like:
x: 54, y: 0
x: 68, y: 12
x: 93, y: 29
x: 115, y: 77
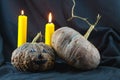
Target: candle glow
x: 22, y: 12
x: 50, y: 17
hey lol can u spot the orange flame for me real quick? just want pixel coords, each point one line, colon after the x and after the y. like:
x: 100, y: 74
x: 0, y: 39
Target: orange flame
x: 22, y: 12
x: 50, y: 17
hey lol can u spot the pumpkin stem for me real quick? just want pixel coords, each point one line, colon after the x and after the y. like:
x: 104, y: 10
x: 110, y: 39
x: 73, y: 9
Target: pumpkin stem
x: 84, y: 19
x: 39, y: 35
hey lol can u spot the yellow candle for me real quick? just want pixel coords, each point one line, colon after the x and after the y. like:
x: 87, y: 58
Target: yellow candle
x: 22, y: 29
x: 49, y: 29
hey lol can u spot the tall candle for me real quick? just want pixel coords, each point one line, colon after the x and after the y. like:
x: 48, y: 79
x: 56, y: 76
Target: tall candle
x: 49, y: 29
x: 22, y: 29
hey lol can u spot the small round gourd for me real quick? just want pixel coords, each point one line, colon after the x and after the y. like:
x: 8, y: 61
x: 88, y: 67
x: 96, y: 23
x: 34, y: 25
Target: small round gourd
x: 33, y: 57
x: 77, y: 51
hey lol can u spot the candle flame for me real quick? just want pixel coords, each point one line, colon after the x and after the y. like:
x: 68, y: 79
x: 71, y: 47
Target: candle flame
x: 22, y: 12
x: 50, y: 17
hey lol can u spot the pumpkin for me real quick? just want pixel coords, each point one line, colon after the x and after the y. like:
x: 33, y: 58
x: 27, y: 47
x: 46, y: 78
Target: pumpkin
x: 33, y: 57
x: 77, y: 51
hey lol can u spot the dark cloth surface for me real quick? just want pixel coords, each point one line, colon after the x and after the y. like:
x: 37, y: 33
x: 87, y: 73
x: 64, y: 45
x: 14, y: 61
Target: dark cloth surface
x: 106, y: 36
x: 101, y: 73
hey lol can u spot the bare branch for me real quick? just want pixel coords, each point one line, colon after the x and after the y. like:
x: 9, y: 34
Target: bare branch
x: 73, y: 7
x: 98, y: 18
x: 84, y: 19
x: 74, y: 16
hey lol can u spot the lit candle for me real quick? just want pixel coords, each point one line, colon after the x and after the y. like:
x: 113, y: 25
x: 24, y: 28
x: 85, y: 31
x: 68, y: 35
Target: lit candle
x: 22, y: 28
x: 49, y: 29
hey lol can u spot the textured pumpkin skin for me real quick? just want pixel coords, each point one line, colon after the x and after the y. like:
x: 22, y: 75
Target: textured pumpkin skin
x: 77, y: 51
x: 33, y: 57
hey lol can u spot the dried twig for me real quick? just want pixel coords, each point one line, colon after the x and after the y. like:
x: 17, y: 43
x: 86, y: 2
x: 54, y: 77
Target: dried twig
x: 84, y: 19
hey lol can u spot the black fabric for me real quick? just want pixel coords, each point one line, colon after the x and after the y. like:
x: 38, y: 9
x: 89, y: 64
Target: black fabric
x: 106, y: 36
x: 101, y: 73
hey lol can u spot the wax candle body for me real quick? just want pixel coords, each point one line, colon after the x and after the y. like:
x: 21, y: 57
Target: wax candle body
x: 49, y: 29
x: 22, y: 29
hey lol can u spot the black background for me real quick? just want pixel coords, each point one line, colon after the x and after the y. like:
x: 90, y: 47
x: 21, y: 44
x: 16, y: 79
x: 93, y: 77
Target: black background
x: 106, y: 36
